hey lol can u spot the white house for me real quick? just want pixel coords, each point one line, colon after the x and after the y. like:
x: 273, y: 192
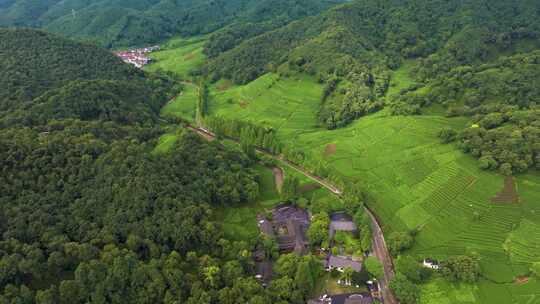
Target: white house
x: 432, y: 264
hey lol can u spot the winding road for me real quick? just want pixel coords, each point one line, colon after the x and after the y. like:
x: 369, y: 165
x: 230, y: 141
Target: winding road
x: 379, y: 245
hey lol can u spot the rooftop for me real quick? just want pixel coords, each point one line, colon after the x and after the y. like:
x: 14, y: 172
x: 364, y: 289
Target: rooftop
x: 342, y: 262
x: 341, y: 221
x: 288, y: 225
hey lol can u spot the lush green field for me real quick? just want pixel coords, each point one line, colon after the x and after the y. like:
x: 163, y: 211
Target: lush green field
x: 166, y: 143
x: 179, y: 55
x: 183, y: 105
x: 415, y: 182
x: 240, y: 222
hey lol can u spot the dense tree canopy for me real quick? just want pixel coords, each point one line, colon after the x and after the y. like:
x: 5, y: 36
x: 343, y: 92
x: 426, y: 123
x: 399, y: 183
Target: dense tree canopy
x: 90, y: 213
x: 461, y: 268
x: 33, y: 62
x: 114, y: 23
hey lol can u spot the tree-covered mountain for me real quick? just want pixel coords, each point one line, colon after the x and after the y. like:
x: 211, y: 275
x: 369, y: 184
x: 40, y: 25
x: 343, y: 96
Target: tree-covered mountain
x: 115, y: 23
x: 354, y: 47
x: 48, y: 77
x: 33, y: 62
x: 91, y: 213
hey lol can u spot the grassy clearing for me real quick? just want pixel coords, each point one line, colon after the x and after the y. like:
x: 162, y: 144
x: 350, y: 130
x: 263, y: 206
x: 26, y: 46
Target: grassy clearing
x: 415, y: 182
x: 401, y: 79
x: 184, y: 105
x: 179, y: 55
x: 240, y: 222
x: 165, y: 143
x: 328, y: 285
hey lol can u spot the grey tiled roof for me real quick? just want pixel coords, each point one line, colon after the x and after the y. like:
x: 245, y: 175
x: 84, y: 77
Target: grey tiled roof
x: 343, y: 262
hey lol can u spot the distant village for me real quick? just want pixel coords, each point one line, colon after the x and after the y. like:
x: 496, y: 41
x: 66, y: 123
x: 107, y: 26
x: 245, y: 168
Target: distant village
x: 137, y: 57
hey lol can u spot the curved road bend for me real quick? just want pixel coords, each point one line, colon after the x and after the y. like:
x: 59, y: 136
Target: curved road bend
x: 379, y: 245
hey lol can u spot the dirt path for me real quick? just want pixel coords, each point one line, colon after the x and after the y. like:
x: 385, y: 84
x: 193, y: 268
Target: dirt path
x: 278, y: 178
x: 203, y: 133
x: 379, y: 244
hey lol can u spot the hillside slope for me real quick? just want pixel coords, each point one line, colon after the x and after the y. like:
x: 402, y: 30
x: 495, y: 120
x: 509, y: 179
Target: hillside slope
x: 354, y: 47
x: 116, y: 23
x: 88, y: 213
x: 45, y: 76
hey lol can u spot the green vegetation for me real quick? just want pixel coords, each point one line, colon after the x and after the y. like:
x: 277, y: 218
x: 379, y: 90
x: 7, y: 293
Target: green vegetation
x: 179, y: 55
x: 426, y: 185
x: 349, y: 243
x: 328, y: 284
x: 374, y: 267
x: 398, y: 242
x: 353, y: 48
x: 240, y: 222
x: 501, y: 99
x: 166, y: 143
x: 184, y: 105
x: 33, y: 62
x: 318, y: 230
x: 296, y: 277
x: 113, y: 23
x: 430, y: 108
x: 405, y: 290
x: 100, y: 204
x: 413, y: 180
x: 461, y: 268
x: 412, y: 269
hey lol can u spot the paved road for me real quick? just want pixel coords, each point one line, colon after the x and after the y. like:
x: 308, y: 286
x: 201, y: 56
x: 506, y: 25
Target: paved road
x: 379, y: 245
x: 381, y: 252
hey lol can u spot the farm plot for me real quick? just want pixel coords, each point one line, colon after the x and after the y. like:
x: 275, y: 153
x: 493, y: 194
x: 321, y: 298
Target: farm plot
x: 508, y: 194
x: 183, y: 105
x: 179, y: 56
x: 287, y: 104
x: 439, y: 291
x: 523, y: 244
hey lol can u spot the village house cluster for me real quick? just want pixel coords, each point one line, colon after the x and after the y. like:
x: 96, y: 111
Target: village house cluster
x: 288, y: 225
x: 137, y: 57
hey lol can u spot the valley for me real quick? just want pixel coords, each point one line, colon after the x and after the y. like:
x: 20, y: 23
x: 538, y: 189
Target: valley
x: 414, y: 182
x: 270, y: 151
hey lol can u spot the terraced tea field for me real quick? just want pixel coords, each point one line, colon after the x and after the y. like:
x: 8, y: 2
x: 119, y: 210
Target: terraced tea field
x: 414, y: 182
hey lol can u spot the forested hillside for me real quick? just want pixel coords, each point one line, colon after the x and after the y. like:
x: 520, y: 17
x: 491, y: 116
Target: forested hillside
x: 114, y: 23
x: 354, y: 47
x: 48, y: 77
x: 33, y: 62
x: 88, y: 213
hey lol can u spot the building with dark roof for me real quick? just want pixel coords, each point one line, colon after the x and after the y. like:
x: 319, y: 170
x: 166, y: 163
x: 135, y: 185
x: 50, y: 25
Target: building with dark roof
x: 341, y: 221
x: 288, y: 224
x: 341, y: 262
